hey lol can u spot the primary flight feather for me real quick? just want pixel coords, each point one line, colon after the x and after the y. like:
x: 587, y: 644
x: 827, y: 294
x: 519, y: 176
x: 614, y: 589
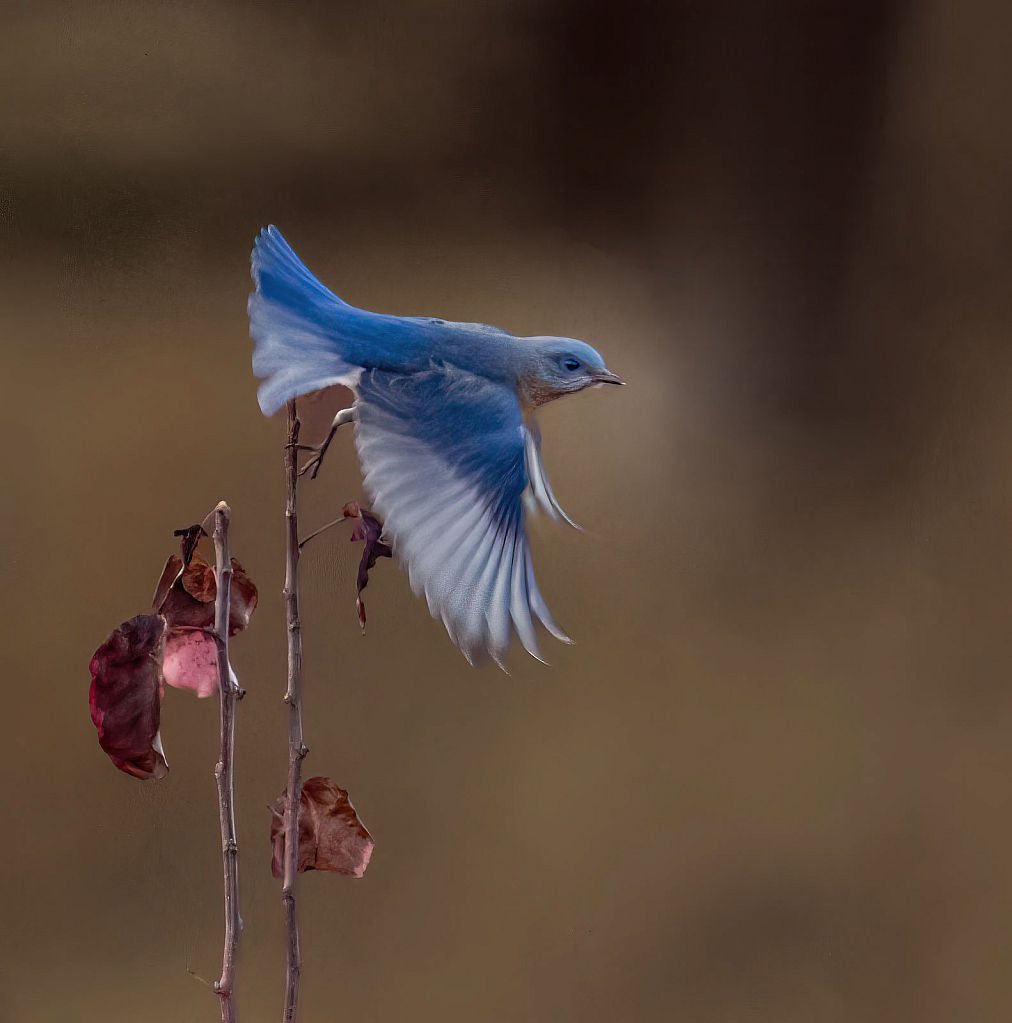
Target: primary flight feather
x: 444, y: 435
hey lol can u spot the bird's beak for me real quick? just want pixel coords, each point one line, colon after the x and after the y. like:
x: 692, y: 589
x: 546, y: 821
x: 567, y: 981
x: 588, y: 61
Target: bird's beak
x: 604, y: 377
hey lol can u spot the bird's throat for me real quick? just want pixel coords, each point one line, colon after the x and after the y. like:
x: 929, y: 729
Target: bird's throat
x: 534, y: 392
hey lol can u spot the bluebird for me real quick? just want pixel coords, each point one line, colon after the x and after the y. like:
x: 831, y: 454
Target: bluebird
x: 445, y: 435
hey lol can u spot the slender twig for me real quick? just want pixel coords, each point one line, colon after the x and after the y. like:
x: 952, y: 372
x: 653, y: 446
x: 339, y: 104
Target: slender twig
x: 223, y: 771
x: 293, y: 697
x: 317, y: 532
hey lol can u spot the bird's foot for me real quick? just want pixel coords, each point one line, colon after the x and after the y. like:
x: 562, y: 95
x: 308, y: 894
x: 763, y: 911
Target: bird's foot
x: 312, y: 466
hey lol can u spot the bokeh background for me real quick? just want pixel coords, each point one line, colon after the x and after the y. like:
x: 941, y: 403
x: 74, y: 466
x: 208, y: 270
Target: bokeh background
x: 773, y: 780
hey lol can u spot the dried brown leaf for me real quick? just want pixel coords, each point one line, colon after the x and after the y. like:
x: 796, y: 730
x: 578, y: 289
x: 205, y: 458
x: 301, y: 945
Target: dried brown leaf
x: 188, y: 599
x: 242, y: 601
x: 331, y: 837
x: 199, y: 582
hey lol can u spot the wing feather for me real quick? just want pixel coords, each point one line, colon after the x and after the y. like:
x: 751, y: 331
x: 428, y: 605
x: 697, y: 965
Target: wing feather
x: 540, y: 487
x: 446, y: 459
x: 537, y: 602
x: 520, y: 609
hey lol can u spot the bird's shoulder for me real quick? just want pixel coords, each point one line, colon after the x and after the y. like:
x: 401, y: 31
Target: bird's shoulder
x: 443, y: 404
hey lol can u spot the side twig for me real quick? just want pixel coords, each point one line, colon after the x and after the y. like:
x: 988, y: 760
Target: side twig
x: 293, y: 697
x: 322, y: 529
x: 223, y: 771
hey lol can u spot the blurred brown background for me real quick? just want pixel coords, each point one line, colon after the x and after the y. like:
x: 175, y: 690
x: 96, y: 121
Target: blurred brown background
x: 772, y: 781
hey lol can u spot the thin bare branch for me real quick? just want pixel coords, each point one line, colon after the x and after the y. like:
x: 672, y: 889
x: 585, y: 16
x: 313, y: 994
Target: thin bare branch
x: 293, y: 697
x: 322, y: 529
x: 223, y: 771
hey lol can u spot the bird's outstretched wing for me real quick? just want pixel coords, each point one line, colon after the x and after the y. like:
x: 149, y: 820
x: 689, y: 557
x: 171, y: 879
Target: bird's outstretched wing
x: 445, y: 460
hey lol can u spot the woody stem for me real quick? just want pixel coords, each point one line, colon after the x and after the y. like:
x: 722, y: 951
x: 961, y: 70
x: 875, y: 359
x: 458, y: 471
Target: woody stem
x: 293, y: 697
x: 223, y: 772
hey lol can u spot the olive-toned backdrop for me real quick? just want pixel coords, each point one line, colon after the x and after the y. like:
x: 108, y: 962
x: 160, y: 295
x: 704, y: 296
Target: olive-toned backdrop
x: 773, y: 779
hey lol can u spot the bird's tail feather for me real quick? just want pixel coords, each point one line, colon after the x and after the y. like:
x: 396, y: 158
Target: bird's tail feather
x: 294, y: 323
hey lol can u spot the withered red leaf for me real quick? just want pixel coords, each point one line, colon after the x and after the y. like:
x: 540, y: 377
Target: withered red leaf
x: 331, y: 837
x: 125, y: 696
x: 188, y: 599
x: 191, y: 660
x: 368, y: 528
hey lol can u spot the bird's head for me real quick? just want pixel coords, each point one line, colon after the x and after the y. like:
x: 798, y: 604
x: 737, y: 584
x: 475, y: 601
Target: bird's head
x: 562, y: 365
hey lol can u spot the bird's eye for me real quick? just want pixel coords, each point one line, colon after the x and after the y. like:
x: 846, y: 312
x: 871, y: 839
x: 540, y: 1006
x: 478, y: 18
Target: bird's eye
x: 571, y: 364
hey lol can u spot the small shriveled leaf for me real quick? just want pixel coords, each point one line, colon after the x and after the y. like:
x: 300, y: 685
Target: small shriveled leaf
x: 168, y: 577
x: 174, y: 602
x: 191, y: 661
x: 125, y: 696
x: 199, y: 582
x: 331, y: 837
x: 190, y: 538
x: 242, y: 599
x: 368, y: 528
x: 188, y: 599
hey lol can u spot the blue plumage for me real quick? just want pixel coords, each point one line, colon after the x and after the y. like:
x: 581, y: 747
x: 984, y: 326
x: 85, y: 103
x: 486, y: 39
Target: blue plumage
x: 440, y: 432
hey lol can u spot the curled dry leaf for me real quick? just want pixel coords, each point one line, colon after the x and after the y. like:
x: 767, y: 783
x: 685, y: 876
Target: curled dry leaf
x: 174, y: 644
x: 242, y: 599
x: 126, y: 693
x: 331, y: 837
x: 368, y: 528
x: 198, y: 580
x: 169, y: 576
x: 185, y: 596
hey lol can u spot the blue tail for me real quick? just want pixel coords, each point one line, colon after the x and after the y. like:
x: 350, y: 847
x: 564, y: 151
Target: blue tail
x: 296, y: 323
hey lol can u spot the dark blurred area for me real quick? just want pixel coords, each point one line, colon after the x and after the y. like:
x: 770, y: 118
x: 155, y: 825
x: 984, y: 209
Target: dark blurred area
x: 772, y: 781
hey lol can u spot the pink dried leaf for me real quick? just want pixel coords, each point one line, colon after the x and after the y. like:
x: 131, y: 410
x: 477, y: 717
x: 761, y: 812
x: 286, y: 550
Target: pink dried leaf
x: 125, y: 696
x: 191, y: 660
x: 331, y: 837
x: 368, y: 528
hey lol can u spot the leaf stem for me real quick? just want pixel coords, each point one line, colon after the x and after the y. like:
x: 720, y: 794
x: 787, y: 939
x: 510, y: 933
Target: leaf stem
x: 293, y: 697
x: 223, y: 772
